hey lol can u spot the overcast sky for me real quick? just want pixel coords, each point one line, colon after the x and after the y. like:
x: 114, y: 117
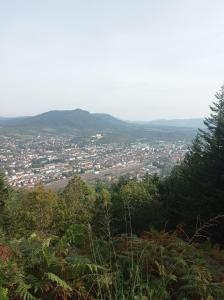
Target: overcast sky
x: 135, y: 59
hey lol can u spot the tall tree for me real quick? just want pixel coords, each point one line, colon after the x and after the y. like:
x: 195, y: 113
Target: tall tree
x: 76, y: 204
x: 4, y: 190
x: 195, y: 189
x: 31, y: 210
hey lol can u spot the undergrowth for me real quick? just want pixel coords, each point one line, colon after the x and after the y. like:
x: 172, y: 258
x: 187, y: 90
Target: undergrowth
x: 78, y: 265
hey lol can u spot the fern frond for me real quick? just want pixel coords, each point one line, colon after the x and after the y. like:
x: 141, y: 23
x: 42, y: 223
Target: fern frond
x: 61, y: 283
x: 23, y: 291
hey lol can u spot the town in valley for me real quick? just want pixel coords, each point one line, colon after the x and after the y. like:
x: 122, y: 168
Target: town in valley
x: 30, y: 161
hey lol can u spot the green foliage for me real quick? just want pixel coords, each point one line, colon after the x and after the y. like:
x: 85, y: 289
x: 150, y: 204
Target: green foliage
x: 23, y: 291
x: 3, y: 189
x: 76, y: 204
x: 195, y: 189
x: 3, y: 294
x: 98, y: 243
x: 31, y: 210
x: 76, y: 235
x: 135, y: 205
x: 101, y: 221
x: 5, y: 193
x: 53, y: 260
x: 60, y: 283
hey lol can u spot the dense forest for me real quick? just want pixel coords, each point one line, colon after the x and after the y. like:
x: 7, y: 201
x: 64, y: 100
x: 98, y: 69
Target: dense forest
x: 155, y: 239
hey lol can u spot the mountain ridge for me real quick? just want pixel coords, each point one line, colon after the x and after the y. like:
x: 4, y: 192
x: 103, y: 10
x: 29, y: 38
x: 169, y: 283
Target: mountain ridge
x: 81, y: 123
x: 64, y: 121
x: 177, y: 122
x: 185, y: 122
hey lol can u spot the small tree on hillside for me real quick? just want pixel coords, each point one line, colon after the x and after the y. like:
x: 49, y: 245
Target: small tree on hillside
x: 76, y: 204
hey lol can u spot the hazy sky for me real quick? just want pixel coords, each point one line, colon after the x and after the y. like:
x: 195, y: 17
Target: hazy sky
x: 135, y: 59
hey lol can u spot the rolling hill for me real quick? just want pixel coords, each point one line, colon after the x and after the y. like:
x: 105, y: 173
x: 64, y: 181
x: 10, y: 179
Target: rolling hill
x: 63, y: 122
x: 80, y: 123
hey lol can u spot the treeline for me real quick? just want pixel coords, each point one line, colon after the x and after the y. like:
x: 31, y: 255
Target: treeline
x: 194, y: 193
x: 158, y: 238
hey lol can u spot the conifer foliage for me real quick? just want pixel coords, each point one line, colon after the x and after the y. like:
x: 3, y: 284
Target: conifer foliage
x: 195, y: 189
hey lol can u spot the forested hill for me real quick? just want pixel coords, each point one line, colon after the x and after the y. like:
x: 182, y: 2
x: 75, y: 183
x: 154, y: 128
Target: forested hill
x: 79, y: 123
x: 65, y: 120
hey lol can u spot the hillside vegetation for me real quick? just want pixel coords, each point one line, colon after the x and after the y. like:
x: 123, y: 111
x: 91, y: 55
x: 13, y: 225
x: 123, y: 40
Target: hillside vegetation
x: 155, y: 239
x: 80, y: 124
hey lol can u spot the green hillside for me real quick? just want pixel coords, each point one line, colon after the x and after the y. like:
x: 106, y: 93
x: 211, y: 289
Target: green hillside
x: 154, y: 239
x: 80, y: 123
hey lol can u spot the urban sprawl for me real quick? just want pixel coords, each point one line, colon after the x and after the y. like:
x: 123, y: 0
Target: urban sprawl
x: 48, y: 159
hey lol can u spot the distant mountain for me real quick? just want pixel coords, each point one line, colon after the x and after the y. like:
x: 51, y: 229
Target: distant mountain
x: 79, y: 124
x: 2, y: 120
x: 64, y: 121
x: 189, y: 123
x: 5, y: 120
x: 110, y: 119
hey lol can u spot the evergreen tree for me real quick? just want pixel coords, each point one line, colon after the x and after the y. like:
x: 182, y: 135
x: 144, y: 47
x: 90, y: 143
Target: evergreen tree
x: 195, y: 189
